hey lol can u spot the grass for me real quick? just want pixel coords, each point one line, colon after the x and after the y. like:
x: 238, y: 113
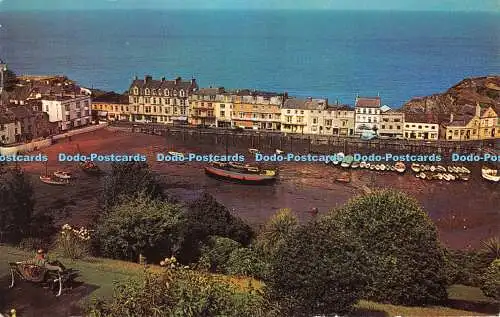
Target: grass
x: 102, y: 273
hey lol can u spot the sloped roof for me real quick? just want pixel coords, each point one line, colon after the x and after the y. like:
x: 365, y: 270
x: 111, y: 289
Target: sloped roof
x: 368, y: 102
x: 305, y: 104
x: 149, y: 82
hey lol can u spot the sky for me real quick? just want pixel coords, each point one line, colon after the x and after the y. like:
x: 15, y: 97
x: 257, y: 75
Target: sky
x: 406, y: 5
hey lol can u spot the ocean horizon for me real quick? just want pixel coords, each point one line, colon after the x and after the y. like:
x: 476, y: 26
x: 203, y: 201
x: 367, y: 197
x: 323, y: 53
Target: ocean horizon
x: 331, y: 54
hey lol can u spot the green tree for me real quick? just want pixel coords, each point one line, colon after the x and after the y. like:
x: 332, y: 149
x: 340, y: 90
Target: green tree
x: 318, y: 270
x: 140, y: 226
x: 130, y: 180
x: 491, y: 280
x: 275, y: 232
x: 10, y: 80
x: 207, y: 217
x: 16, y: 205
x: 245, y: 262
x: 406, y: 260
x: 215, y: 254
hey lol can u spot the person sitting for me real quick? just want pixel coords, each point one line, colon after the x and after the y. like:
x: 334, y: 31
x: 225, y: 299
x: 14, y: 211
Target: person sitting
x: 41, y: 260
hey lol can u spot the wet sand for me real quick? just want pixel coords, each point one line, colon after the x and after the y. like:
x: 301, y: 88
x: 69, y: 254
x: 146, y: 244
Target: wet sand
x: 464, y: 212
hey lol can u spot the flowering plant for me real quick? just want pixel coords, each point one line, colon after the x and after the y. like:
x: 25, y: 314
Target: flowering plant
x: 172, y: 263
x: 74, y: 242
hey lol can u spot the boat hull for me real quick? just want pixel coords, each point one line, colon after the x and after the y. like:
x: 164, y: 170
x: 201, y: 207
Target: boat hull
x: 239, y: 177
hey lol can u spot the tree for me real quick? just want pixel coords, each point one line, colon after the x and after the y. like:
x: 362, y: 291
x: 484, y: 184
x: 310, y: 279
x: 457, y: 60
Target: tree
x: 210, y: 218
x: 491, y: 280
x: 130, y: 180
x: 16, y: 205
x: 215, y: 254
x: 140, y: 225
x: 318, y: 270
x: 275, y: 232
x: 405, y: 258
x: 245, y: 262
x: 491, y: 249
x: 10, y: 80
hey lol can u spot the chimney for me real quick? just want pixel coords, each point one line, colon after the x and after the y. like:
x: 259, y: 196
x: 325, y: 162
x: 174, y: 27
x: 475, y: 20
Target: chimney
x: 163, y: 79
x: 309, y: 98
x: 193, y: 82
x: 136, y: 78
x: 478, y: 110
x: 178, y: 80
x: 451, y: 117
x: 147, y: 78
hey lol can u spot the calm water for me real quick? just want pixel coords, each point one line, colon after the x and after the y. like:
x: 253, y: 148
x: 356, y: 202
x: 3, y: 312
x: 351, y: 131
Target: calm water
x: 324, y: 54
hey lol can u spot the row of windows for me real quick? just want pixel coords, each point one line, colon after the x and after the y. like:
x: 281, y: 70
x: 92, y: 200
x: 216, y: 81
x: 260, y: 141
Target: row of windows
x: 432, y: 127
x: 367, y: 111
x: 158, y: 92
x: 389, y: 127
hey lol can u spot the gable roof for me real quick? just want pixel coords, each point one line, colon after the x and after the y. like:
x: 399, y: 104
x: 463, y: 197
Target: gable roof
x: 178, y: 83
x: 305, y: 104
x: 367, y: 102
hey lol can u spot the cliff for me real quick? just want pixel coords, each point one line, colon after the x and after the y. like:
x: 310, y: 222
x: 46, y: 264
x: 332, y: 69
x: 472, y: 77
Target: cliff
x: 482, y: 90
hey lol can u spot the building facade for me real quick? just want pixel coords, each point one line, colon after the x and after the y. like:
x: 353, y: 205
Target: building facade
x: 489, y: 126
x: 162, y: 101
x: 10, y: 128
x: 338, y: 120
x: 421, y: 127
x: 202, y: 109
x: 111, y: 107
x: 257, y: 110
x: 392, y: 124
x: 68, y: 111
x: 367, y: 114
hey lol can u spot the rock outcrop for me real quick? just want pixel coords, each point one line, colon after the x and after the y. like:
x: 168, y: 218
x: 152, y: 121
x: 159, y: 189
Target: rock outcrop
x: 482, y: 90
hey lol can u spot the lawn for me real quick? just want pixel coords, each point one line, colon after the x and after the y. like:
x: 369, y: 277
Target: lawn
x: 100, y: 275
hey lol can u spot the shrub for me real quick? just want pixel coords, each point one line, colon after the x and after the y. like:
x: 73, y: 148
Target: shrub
x: 73, y: 243
x: 128, y: 181
x: 245, y: 261
x: 405, y: 258
x: 180, y: 293
x: 216, y: 252
x: 140, y: 226
x: 466, y: 267
x: 491, y: 249
x: 207, y: 217
x: 16, y: 205
x: 31, y: 244
x: 317, y: 270
x: 275, y: 232
x: 491, y: 280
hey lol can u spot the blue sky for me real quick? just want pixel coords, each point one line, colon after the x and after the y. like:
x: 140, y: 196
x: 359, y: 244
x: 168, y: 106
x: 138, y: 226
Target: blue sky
x: 412, y: 5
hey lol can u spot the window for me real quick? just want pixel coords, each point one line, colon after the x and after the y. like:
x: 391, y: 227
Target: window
x: 147, y: 109
x: 167, y: 93
x: 315, y: 121
x: 181, y: 93
x: 289, y: 119
x: 383, y: 126
x: 288, y: 111
x: 222, y: 106
x: 222, y: 113
x: 146, y: 92
x: 154, y: 92
x: 301, y: 111
x: 136, y: 91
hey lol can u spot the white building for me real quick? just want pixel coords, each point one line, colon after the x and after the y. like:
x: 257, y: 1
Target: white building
x: 68, y: 111
x: 367, y: 114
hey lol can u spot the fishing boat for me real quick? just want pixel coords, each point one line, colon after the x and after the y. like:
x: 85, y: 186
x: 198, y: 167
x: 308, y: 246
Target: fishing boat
x: 90, y: 168
x: 490, y: 174
x: 62, y: 175
x: 347, y: 161
x: 241, y: 173
x: 400, y: 167
x: 53, y: 181
x: 415, y: 167
x: 47, y: 179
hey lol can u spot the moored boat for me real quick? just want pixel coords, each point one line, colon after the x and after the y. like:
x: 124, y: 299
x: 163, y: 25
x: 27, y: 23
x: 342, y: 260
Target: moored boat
x: 278, y: 151
x: 400, y: 167
x: 90, y: 168
x: 490, y: 174
x: 344, y: 177
x: 347, y: 161
x: 415, y: 167
x: 355, y: 164
x: 253, y: 151
x: 62, y: 175
x: 241, y: 173
x: 53, y: 181
x: 362, y: 164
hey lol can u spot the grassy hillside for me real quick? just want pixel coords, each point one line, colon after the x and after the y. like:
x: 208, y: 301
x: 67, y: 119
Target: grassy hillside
x: 99, y: 275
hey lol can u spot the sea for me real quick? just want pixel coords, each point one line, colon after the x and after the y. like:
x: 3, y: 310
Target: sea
x: 321, y: 54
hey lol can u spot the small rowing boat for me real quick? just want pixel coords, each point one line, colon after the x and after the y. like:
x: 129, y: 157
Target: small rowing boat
x: 241, y: 173
x: 440, y: 168
x: 278, y: 151
x: 415, y: 167
x: 490, y: 174
x: 173, y: 153
x: 253, y: 151
x: 345, y: 177
x: 400, y: 167
x: 347, y: 161
x: 355, y: 164
x: 362, y: 164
